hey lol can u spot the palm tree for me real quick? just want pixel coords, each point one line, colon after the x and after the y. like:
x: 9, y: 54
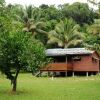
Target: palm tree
x: 65, y: 34
x: 31, y: 25
x: 92, y: 36
x: 94, y: 28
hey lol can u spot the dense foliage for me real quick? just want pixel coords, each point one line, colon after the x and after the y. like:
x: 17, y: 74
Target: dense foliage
x: 18, y: 50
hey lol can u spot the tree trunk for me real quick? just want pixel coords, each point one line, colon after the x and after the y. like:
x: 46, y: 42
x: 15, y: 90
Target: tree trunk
x: 14, y: 83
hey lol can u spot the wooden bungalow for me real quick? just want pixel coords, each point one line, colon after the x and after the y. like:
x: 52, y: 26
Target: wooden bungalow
x: 72, y: 61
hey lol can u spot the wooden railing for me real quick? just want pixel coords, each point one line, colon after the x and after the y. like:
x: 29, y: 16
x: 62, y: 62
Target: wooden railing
x: 58, y: 67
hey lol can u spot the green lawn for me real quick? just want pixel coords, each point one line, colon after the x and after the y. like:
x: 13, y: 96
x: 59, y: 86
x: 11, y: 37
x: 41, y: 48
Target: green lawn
x: 32, y: 88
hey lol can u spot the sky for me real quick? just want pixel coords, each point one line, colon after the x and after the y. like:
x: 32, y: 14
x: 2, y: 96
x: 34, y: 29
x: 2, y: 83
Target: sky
x: 49, y: 2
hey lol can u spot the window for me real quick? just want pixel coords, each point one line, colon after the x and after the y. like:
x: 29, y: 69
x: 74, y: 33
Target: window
x: 60, y: 59
x: 76, y: 58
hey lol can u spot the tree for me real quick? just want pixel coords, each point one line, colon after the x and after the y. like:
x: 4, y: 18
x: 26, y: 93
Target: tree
x: 94, y: 28
x: 17, y: 11
x: 65, y: 34
x: 31, y: 25
x: 80, y: 12
x: 2, y: 3
x: 96, y: 3
x: 18, y: 51
x: 92, y: 36
x: 49, y: 12
x: 34, y: 27
x: 92, y: 41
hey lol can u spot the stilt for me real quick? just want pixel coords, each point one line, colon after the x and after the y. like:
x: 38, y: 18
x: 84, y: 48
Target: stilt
x: 66, y: 73
x: 52, y: 75
x: 98, y: 73
x: 66, y: 63
x: 91, y: 74
x: 87, y: 74
x: 73, y: 74
x: 48, y: 73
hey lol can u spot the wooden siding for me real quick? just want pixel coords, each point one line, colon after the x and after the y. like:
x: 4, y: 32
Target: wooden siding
x: 86, y: 64
x: 58, y: 67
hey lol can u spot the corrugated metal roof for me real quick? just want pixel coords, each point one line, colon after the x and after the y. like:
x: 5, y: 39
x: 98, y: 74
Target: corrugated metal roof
x: 68, y: 51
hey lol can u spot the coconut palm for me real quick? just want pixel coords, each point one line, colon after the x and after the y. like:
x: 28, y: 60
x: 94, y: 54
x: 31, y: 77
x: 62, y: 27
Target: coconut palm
x: 92, y: 36
x: 95, y: 27
x: 65, y: 34
x: 34, y: 27
x: 31, y: 25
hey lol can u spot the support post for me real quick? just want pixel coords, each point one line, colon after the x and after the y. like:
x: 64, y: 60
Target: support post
x: 92, y: 74
x: 87, y: 74
x: 98, y: 73
x: 66, y: 59
x: 40, y: 73
x: 66, y: 73
x: 67, y: 64
x: 48, y: 73
x: 73, y: 74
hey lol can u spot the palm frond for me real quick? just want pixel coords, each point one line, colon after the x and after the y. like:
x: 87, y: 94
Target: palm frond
x: 65, y: 33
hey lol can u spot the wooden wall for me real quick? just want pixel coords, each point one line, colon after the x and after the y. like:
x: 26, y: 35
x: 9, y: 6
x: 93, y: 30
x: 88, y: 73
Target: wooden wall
x: 86, y: 64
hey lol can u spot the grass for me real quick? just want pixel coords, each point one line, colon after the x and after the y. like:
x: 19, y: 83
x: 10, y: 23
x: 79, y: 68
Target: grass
x: 32, y: 88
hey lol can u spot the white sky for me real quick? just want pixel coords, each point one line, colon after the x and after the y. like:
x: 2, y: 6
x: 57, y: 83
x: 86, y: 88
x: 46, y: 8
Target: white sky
x: 49, y: 2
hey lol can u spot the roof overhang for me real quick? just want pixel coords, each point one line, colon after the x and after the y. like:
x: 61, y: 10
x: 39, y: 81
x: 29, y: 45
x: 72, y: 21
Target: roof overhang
x: 68, y: 51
